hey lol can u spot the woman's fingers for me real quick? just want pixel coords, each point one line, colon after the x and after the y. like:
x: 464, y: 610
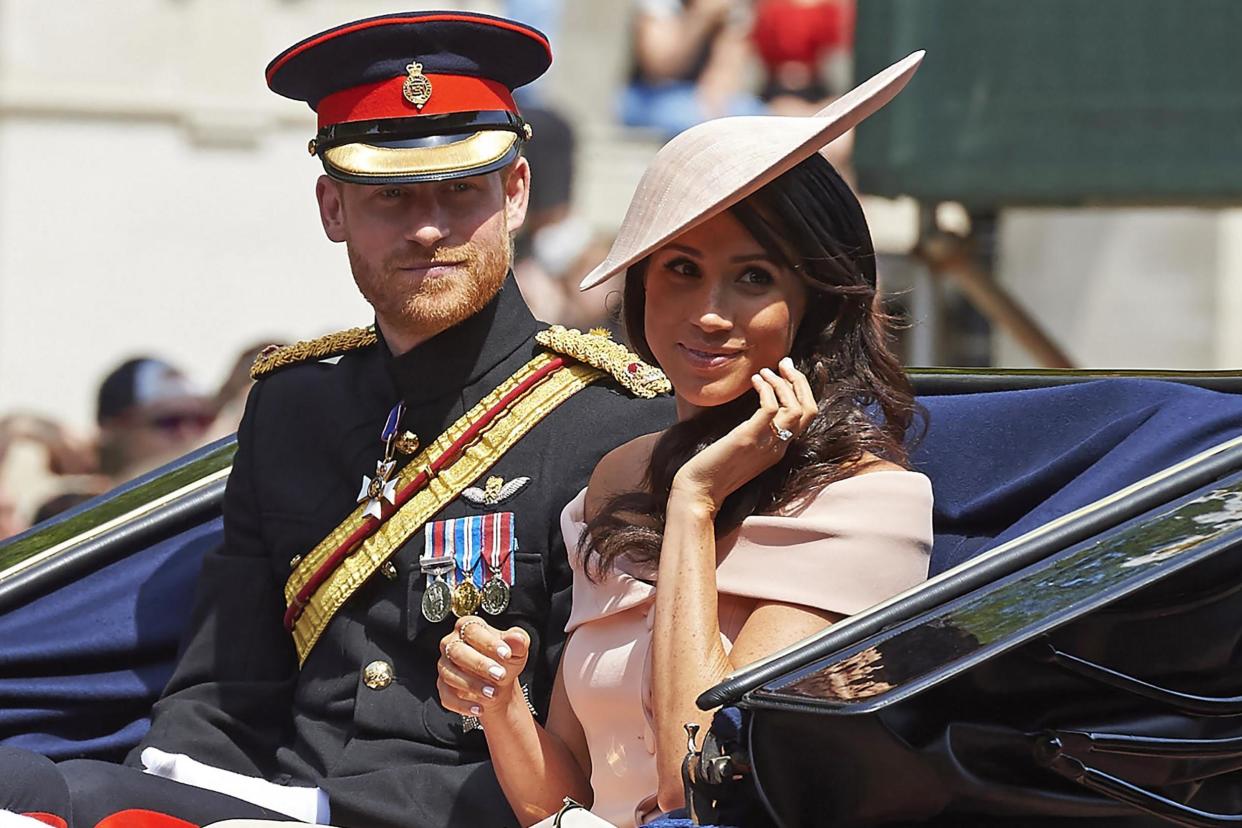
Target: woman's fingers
x: 482, y: 636
x: 463, y: 684
x: 808, y: 408
x: 784, y: 391
x: 469, y: 646
x: 767, y: 395
x: 452, y: 702
x: 801, y: 387
x: 790, y: 417
x: 518, y: 641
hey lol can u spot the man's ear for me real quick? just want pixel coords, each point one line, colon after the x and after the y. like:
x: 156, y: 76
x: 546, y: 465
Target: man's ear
x: 331, y: 208
x: 516, y: 181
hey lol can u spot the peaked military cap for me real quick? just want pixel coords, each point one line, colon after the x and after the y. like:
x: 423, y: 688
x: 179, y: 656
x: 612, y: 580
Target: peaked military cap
x: 416, y: 96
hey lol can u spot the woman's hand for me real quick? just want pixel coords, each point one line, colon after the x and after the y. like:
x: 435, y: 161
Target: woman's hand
x: 479, y: 666
x: 786, y: 408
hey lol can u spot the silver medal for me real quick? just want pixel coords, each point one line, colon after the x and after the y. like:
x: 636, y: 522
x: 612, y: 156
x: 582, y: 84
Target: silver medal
x: 437, y: 600
x: 495, y: 594
x: 438, y: 596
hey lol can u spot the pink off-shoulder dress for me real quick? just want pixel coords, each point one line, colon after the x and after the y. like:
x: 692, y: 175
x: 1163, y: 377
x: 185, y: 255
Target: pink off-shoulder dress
x: 861, y: 540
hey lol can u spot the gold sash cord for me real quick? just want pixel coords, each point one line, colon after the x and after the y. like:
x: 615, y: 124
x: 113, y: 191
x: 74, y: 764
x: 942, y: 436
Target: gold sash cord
x: 521, y: 415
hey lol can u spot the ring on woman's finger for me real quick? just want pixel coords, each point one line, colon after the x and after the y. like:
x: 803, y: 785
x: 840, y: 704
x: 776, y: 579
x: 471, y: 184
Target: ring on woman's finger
x: 448, y: 649
x: 461, y: 631
x: 782, y: 434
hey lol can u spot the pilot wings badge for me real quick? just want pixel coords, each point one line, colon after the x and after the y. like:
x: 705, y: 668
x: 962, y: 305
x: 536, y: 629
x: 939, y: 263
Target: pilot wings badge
x: 495, y: 491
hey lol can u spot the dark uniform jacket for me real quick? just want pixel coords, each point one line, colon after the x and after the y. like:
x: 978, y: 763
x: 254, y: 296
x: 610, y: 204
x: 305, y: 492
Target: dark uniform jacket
x: 393, y: 755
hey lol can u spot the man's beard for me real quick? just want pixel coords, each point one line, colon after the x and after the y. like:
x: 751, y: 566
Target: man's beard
x: 439, y: 303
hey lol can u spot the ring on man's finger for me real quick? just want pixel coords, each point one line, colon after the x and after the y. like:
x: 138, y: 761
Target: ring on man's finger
x: 461, y: 631
x: 782, y: 434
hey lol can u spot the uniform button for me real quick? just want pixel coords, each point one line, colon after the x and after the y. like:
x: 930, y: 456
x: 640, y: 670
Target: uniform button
x: 377, y: 675
x: 389, y: 570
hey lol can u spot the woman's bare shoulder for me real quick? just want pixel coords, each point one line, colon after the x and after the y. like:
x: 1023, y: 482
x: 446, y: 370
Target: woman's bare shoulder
x: 620, y: 470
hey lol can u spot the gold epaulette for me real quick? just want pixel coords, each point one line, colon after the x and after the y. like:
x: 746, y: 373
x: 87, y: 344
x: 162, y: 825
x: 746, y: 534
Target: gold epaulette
x: 273, y: 358
x: 598, y: 349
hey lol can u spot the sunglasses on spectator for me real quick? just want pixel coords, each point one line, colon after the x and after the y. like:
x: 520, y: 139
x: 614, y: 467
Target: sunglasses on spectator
x: 180, y: 422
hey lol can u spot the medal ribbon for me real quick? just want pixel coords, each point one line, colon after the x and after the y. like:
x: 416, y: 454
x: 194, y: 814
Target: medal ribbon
x: 480, y: 545
x: 435, y: 546
x: 390, y: 426
x: 355, y: 550
x: 466, y: 547
x: 499, y: 542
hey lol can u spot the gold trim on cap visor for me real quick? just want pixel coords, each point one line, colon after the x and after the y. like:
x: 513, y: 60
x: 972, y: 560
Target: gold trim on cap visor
x: 479, y: 150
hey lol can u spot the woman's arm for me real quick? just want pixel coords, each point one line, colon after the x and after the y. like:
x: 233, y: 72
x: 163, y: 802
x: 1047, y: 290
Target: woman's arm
x: 667, y: 45
x: 537, y: 767
x: 725, y: 74
x: 687, y: 654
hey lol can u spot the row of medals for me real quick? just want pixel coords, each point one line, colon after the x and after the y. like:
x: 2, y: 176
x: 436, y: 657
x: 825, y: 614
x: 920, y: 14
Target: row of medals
x: 440, y: 599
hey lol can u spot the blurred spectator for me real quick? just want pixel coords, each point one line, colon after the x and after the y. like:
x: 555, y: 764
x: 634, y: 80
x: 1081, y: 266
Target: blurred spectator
x: 148, y: 414
x: 65, y: 453
x: 690, y: 64
x: 41, y: 460
x: 11, y: 522
x: 806, y: 47
x: 555, y: 247
x: 544, y: 15
x: 62, y: 503
x: 230, y: 401
x: 800, y: 43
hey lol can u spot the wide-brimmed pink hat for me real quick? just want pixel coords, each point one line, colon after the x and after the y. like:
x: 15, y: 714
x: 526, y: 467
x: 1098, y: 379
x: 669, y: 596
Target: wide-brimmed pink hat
x: 716, y: 164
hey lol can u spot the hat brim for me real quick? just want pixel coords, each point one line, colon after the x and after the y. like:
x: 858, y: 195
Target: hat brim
x: 714, y: 165
x: 361, y: 163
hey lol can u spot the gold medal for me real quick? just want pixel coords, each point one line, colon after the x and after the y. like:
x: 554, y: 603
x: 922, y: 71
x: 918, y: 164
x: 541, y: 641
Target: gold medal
x: 466, y: 598
x: 495, y: 599
x: 436, y: 600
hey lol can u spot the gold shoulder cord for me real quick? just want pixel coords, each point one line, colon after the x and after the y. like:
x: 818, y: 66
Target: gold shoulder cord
x: 598, y: 349
x: 274, y: 358
x: 521, y: 415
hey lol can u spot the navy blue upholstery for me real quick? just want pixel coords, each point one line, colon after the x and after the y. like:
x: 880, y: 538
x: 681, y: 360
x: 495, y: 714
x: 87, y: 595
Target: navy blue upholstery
x: 1002, y: 464
x: 81, y: 665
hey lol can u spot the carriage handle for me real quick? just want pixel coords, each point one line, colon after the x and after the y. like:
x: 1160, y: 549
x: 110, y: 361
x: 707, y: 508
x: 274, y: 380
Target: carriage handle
x: 1184, y: 702
x: 1050, y: 752
x: 1153, y: 747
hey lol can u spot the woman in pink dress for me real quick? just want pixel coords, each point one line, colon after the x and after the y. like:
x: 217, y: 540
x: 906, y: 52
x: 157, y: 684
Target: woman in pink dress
x: 778, y: 503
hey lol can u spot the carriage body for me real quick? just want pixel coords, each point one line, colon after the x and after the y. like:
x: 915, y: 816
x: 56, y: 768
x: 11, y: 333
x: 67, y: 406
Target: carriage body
x: 1087, y: 528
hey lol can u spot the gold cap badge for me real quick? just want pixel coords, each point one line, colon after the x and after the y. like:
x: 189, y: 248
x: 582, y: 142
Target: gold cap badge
x: 417, y: 87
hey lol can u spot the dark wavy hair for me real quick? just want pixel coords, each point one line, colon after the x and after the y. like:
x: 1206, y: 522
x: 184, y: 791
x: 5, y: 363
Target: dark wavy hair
x: 809, y: 220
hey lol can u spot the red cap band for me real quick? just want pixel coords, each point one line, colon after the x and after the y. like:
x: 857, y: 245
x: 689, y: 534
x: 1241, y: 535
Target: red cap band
x: 385, y: 99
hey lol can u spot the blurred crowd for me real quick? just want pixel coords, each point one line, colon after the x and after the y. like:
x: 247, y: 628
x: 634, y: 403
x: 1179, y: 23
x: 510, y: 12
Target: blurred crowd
x: 147, y: 413
x: 690, y: 60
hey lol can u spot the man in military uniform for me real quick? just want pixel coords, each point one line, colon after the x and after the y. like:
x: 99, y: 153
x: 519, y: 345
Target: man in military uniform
x: 389, y: 477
